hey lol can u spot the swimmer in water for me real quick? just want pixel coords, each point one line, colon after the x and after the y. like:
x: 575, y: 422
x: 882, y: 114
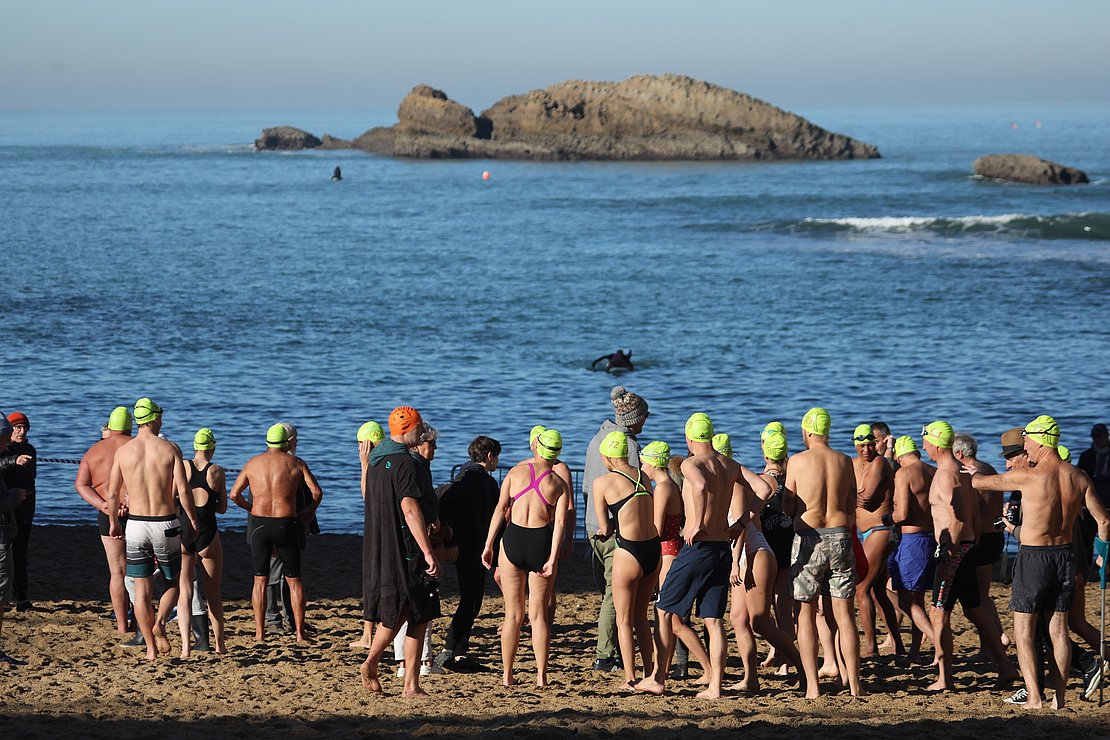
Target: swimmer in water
x: 619, y: 360
x: 336, y: 175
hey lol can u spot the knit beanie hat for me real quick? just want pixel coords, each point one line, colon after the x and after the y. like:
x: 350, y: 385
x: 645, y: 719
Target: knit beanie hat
x: 630, y: 408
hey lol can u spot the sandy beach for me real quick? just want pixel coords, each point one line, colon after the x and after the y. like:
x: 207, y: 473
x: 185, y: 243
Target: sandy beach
x: 79, y: 682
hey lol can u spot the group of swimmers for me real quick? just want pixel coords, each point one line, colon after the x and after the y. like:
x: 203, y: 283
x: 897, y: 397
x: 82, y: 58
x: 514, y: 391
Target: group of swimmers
x: 797, y: 546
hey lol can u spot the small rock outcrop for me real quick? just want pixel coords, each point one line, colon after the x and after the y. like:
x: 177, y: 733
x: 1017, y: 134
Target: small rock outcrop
x: 285, y: 138
x: 667, y: 117
x: 1028, y: 169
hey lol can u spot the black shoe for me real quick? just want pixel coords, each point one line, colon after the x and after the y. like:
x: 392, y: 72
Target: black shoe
x: 607, y: 665
x: 1092, y: 677
x: 23, y: 606
x: 463, y: 664
x: 199, y: 625
x: 680, y: 671
x: 137, y: 641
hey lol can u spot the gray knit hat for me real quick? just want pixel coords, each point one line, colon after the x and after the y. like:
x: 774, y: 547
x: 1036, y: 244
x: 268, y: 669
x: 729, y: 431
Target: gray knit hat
x: 630, y: 408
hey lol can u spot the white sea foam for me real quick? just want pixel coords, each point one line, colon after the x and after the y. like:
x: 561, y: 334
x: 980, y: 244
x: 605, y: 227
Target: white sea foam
x: 909, y: 223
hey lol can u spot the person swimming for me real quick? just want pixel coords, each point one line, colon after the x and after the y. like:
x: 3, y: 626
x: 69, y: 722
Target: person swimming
x: 336, y: 175
x: 619, y: 361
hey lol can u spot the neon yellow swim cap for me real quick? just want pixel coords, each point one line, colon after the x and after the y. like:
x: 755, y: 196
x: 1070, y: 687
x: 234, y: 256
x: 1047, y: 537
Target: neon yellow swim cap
x: 535, y: 432
x: 371, y: 431
x: 773, y: 427
x: 1065, y: 453
x: 549, y: 444
x: 146, y: 411
x: 864, y: 435
x: 120, y: 419
x: 204, y: 439
x: 722, y: 443
x: 939, y: 433
x: 615, y: 444
x: 657, y: 454
x: 774, y: 445
x: 817, y: 421
x: 903, y: 446
x: 277, y: 437
x: 699, y: 428
x: 1044, y: 431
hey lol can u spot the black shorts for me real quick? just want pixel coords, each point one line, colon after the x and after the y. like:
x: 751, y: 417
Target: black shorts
x: 991, y: 545
x: 104, y: 524
x: 1044, y: 579
x: 955, y: 579
x: 265, y: 533
x: 699, y: 573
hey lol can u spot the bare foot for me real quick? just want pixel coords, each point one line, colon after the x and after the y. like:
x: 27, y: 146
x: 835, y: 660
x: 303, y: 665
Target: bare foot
x: 784, y: 670
x: 417, y: 693
x: 1030, y: 705
x: 813, y: 693
x: 628, y: 686
x: 1057, y: 701
x: 709, y: 694
x: 867, y: 651
x: 1005, y: 640
x: 703, y: 680
x: 939, y: 685
x: 509, y: 680
x: 259, y: 637
x: 542, y: 683
x: 185, y: 652
x: 162, y: 643
x: 746, y: 686
x: 359, y: 644
x: 769, y: 660
x: 303, y: 638
x: 370, y: 677
x: 650, y: 686
x: 151, y: 654
x: 828, y: 672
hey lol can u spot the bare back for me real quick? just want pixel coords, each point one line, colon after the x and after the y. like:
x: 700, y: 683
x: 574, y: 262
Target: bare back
x: 636, y: 516
x: 273, y: 477
x: 530, y: 510
x: 954, y: 504
x: 96, y: 465
x: 152, y: 474
x: 911, y: 497
x: 1050, y: 502
x: 707, y: 492
x: 824, y: 483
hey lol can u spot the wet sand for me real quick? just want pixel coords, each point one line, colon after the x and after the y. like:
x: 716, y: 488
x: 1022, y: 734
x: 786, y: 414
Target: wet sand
x: 78, y: 681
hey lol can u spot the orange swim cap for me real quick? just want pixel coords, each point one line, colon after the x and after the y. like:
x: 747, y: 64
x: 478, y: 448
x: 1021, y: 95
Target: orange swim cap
x: 403, y: 419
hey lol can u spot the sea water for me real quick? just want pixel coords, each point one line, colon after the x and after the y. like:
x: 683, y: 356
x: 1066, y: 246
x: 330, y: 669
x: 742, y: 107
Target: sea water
x: 156, y: 254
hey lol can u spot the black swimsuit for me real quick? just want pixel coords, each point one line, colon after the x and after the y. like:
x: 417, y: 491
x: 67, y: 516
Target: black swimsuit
x: 778, y: 528
x: 206, y: 515
x: 648, y: 553
x: 528, y: 548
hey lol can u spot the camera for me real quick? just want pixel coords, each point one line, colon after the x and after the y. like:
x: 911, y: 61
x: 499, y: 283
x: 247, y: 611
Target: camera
x: 1013, y: 513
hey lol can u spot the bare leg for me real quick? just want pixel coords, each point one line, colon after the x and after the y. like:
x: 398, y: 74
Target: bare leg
x: 913, y: 603
x: 212, y: 561
x: 185, y: 601
x: 1024, y: 627
x: 941, y: 621
x: 367, y: 636
x: 626, y: 574
x: 807, y: 646
x: 166, y: 605
x: 1077, y: 619
x: 258, y: 604
x: 745, y: 641
x: 414, y: 647
x: 718, y: 651
x: 640, y: 622
x: 144, y: 615
x: 1061, y: 656
x: 383, y: 638
x: 849, y: 641
x: 990, y: 636
x: 115, y: 552
x: 664, y: 648
x: 983, y: 573
x: 826, y: 630
x: 296, y: 600
x: 512, y: 586
x: 538, y: 602
x: 758, y: 599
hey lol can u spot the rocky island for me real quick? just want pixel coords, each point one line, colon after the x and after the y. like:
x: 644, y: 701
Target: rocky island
x: 646, y: 117
x: 1027, y: 169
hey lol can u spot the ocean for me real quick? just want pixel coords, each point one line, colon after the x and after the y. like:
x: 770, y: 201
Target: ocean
x: 156, y: 254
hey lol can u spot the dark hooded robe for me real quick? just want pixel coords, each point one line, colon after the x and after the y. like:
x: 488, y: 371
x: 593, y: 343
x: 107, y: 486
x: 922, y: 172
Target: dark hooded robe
x: 393, y: 566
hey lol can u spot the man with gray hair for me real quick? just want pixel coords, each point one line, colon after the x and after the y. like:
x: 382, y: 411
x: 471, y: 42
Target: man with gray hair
x: 992, y: 540
x: 630, y: 413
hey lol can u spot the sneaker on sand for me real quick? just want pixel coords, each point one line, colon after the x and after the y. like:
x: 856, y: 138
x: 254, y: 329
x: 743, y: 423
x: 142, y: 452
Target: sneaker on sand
x: 1092, y: 678
x: 1020, y: 697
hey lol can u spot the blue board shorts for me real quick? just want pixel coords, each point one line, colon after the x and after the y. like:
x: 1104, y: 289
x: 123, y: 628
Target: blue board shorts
x: 699, y: 573
x: 912, y: 563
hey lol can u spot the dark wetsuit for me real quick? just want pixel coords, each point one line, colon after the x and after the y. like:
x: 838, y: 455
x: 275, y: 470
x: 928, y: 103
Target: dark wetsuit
x: 206, y: 514
x: 647, y: 552
x: 528, y: 548
x: 264, y: 533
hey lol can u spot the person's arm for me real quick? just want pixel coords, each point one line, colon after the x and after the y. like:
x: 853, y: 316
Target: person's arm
x: 184, y: 491
x: 495, y: 523
x: 11, y: 461
x: 594, y: 363
x: 740, y: 509
x: 219, y: 485
x: 792, y: 506
x: 1008, y: 481
x: 364, y: 449
x: 604, y: 526
x: 115, y: 484
x: 242, y: 482
x: 736, y: 578
x: 83, y: 486
x: 1098, y: 511
x: 659, y: 500
x: 756, y: 484
x: 414, y: 520
x: 694, y: 496
x: 316, y: 492
x: 561, y: 507
x: 567, y: 548
x: 902, y: 494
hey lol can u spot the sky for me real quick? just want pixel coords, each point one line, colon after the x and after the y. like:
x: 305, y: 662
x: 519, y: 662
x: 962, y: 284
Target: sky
x: 239, y: 54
